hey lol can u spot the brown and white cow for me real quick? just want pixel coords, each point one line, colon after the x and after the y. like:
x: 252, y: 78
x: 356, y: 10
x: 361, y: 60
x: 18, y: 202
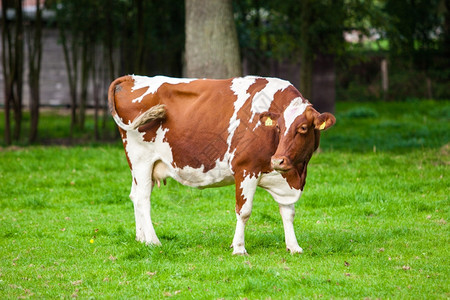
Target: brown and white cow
x: 248, y: 131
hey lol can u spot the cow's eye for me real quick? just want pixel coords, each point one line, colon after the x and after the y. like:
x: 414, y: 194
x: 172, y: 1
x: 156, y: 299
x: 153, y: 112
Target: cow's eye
x: 302, y: 128
x: 278, y: 129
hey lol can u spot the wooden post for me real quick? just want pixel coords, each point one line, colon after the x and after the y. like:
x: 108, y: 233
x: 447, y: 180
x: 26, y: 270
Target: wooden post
x: 323, y: 88
x: 429, y: 88
x: 384, y: 78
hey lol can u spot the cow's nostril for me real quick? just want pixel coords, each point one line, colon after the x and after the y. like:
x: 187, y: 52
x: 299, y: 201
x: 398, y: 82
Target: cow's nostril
x: 281, y: 164
x: 277, y: 162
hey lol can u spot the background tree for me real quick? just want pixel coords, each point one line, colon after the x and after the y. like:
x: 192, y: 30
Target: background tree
x: 12, y: 60
x: 34, y: 46
x: 116, y: 37
x: 89, y: 39
x: 68, y: 15
x: 307, y: 31
x: 415, y: 33
x: 321, y: 40
x: 212, y: 48
x: 83, y: 28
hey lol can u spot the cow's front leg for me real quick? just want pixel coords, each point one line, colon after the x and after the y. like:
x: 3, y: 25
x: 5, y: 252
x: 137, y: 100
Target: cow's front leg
x: 287, y: 214
x: 140, y: 195
x: 245, y: 190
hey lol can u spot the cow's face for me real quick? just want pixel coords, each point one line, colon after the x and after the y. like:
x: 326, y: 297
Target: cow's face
x: 299, y: 134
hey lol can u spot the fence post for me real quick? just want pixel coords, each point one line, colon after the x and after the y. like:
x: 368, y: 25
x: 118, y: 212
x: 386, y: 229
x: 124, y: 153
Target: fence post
x: 384, y: 78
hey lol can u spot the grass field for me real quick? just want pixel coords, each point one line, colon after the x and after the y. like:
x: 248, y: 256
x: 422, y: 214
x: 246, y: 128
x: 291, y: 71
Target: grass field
x: 372, y: 220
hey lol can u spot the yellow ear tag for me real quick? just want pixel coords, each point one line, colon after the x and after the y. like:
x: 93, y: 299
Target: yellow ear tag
x: 323, y: 125
x: 269, y: 122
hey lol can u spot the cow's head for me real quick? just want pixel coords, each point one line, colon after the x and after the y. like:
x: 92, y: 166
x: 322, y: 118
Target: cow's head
x: 299, y: 129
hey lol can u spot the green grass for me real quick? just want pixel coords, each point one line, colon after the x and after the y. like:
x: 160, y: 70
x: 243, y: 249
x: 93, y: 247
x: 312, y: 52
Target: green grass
x: 394, y: 126
x: 372, y: 224
x: 54, y: 128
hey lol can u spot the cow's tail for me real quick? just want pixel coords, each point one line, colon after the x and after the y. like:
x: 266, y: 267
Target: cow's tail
x: 153, y: 113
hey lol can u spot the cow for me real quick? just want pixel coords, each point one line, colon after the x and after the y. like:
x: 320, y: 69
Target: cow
x: 249, y: 131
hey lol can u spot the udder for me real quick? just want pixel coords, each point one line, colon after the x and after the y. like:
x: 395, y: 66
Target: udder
x: 160, y: 173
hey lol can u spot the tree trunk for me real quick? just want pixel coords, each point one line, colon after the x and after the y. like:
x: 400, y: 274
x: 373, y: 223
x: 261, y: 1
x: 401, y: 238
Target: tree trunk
x: 317, y: 74
x: 6, y: 62
x: 12, y: 60
x: 109, y: 42
x: 306, y: 70
x: 323, y: 83
x: 87, y: 47
x: 108, y: 56
x: 139, y: 58
x: 72, y: 73
x: 211, y: 48
x: 306, y: 54
x: 34, y: 64
x: 97, y: 78
x: 18, y: 73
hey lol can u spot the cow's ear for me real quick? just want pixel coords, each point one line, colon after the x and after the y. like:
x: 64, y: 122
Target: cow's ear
x: 324, y: 121
x: 269, y: 119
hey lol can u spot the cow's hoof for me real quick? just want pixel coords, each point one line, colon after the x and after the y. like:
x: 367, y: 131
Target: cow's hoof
x: 239, y: 250
x: 241, y: 253
x: 149, y: 243
x: 155, y: 243
x: 295, y: 249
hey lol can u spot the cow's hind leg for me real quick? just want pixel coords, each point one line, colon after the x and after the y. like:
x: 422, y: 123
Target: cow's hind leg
x: 140, y: 195
x: 245, y: 191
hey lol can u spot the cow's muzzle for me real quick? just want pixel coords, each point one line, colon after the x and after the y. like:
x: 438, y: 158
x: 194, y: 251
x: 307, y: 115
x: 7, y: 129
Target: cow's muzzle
x: 281, y: 164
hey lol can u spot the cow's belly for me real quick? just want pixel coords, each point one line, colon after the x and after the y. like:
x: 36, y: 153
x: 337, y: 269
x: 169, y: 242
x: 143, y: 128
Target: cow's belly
x: 220, y: 175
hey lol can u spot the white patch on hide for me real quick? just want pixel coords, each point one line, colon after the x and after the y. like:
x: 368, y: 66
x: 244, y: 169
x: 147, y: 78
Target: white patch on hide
x: 248, y: 185
x: 144, y: 153
x: 263, y: 99
x: 153, y: 83
x: 220, y: 175
x: 239, y: 86
x: 279, y: 188
x: 295, y: 109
